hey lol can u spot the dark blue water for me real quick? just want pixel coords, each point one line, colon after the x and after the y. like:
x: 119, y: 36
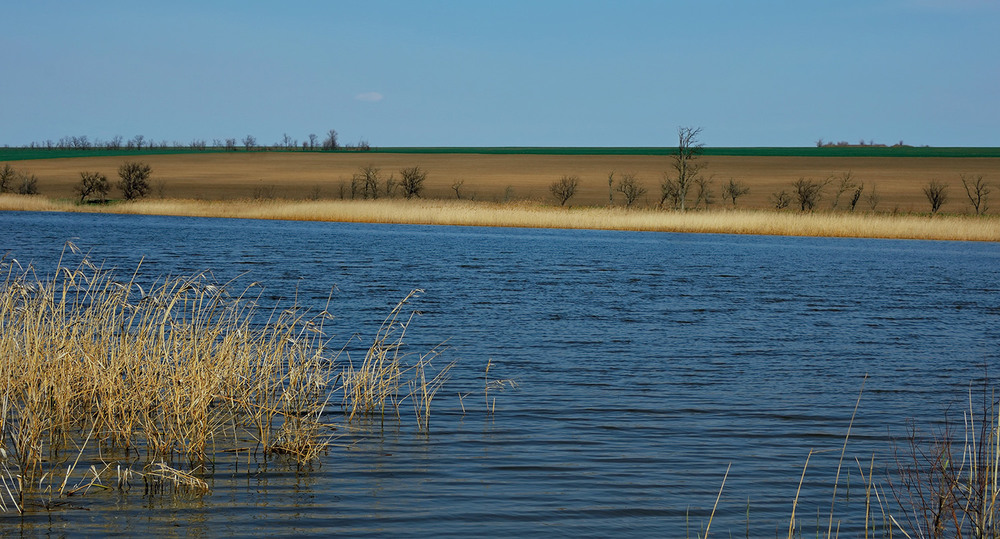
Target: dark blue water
x: 646, y: 364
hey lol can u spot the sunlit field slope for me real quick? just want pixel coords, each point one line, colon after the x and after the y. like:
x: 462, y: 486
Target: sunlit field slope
x: 267, y: 183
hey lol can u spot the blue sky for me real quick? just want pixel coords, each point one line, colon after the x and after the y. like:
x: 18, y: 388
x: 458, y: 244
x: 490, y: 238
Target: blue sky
x: 513, y: 73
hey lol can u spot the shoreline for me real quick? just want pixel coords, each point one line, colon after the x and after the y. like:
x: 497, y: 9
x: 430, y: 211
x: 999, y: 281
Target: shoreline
x: 536, y: 215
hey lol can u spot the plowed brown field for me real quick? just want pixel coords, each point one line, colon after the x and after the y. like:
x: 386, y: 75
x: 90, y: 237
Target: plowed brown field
x: 898, y: 180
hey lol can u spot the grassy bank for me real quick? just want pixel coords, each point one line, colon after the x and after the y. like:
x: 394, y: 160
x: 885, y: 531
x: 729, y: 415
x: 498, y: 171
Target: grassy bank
x: 533, y: 215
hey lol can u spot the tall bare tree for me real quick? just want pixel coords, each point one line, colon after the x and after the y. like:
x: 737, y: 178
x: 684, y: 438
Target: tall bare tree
x: 685, y: 167
x: 977, y: 190
x: 249, y: 142
x: 330, y: 142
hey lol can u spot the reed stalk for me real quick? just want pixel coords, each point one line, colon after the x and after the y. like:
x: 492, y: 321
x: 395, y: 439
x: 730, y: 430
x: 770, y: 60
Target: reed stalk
x: 169, y: 376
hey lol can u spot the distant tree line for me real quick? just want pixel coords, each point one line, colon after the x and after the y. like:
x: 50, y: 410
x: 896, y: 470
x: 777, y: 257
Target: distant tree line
x: 329, y: 142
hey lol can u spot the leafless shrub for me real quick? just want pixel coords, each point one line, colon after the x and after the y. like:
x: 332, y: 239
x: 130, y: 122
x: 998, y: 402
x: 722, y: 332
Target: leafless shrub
x: 631, y: 188
x: 134, y: 179
x: 28, y: 184
x: 366, y: 181
x: 704, y: 195
x: 93, y: 183
x: 937, y: 194
x: 808, y: 193
x: 457, y: 187
x: 845, y: 183
x: 734, y: 190
x: 412, y: 181
x: 7, y: 176
x: 873, y: 198
x: 564, y: 189
x: 781, y: 199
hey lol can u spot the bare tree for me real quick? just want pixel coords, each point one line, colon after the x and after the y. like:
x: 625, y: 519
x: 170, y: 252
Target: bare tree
x: 330, y: 142
x: 685, y: 169
x: 611, y: 188
x: 287, y: 142
x: 734, y: 190
x: 312, y: 141
x: 136, y: 142
x: 7, y: 175
x: 704, y: 193
x: 856, y: 195
x: 412, y: 181
x: 93, y: 183
x: 134, y: 182
x: 808, y: 193
x: 873, y: 198
x: 845, y: 183
x: 977, y: 190
x: 937, y: 194
x: 390, y: 186
x: 457, y: 187
x: 28, y: 184
x: 231, y: 144
x: 564, y: 189
x: 781, y: 200
x: 249, y: 142
x: 630, y: 187
x: 367, y: 180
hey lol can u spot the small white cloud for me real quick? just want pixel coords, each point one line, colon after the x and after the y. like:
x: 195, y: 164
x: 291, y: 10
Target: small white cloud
x: 371, y: 97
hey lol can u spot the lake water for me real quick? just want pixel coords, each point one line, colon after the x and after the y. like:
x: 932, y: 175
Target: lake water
x: 646, y: 364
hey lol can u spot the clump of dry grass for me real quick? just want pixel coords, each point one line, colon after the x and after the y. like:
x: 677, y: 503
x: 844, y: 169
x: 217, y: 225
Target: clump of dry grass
x: 170, y: 376
x: 946, y: 484
x: 374, y: 386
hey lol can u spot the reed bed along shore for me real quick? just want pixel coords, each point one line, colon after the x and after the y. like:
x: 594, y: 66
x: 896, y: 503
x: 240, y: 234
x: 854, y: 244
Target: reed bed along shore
x: 537, y: 215
x: 105, y: 380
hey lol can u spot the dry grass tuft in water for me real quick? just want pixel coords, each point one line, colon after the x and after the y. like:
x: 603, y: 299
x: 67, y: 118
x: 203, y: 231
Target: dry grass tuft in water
x: 169, y: 376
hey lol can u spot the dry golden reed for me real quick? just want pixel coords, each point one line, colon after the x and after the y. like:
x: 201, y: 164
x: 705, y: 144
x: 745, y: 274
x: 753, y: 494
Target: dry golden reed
x: 536, y: 215
x: 171, y: 375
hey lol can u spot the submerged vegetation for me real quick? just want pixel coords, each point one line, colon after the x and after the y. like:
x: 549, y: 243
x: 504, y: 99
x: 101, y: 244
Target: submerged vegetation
x: 104, y: 382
